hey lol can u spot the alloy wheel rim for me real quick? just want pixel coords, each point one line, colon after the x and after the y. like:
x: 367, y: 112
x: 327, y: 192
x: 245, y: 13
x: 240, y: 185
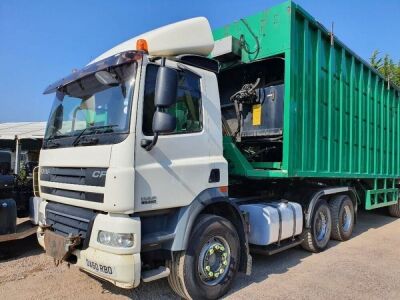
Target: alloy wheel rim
x: 214, y: 260
x: 321, y: 226
x: 347, y: 218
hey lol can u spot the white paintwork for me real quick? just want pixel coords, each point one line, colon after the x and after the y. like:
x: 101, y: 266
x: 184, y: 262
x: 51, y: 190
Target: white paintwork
x: 127, y: 268
x: 118, y: 158
x: 34, y: 203
x: 95, y: 156
x: 118, y: 191
x: 192, y: 36
x: 177, y: 169
x: 126, y: 263
x: 226, y: 45
x: 118, y: 224
x: 264, y: 221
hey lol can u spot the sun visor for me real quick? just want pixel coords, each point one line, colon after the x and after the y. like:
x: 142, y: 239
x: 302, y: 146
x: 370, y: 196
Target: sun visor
x: 115, y: 60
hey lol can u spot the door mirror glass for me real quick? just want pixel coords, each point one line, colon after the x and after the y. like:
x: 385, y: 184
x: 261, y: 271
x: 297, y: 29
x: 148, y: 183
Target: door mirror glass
x: 166, y: 87
x: 163, y: 122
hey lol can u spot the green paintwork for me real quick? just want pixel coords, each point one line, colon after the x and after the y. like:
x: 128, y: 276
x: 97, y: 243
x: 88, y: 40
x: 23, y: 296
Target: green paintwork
x: 239, y: 166
x: 341, y: 118
x: 384, y: 193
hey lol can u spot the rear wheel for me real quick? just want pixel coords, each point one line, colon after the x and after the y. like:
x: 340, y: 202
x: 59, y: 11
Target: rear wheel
x: 394, y: 210
x: 342, y: 210
x: 209, y: 265
x: 317, y: 237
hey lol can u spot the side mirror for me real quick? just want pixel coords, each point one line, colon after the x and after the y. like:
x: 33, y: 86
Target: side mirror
x: 163, y: 122
x: 166, y: 87
x: 164, y: 96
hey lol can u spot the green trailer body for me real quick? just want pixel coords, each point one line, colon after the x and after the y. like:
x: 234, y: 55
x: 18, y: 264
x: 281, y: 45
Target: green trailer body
x: 341, y: 118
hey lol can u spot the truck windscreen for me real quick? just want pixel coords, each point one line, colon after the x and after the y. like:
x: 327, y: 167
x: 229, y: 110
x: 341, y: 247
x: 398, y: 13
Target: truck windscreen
x: 96, y: 107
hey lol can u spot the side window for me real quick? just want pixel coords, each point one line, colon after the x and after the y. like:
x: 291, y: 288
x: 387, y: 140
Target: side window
x: 187, y: 110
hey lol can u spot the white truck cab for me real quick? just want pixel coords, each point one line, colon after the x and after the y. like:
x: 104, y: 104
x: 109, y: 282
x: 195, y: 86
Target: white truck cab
x: 132, y: 154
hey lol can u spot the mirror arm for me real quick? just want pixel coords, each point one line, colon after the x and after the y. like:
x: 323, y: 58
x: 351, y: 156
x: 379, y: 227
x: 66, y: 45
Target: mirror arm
x: 149, y: 144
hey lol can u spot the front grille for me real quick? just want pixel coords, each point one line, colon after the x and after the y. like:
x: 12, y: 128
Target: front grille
x: 66, y: 219
x: 86, y: 196
x: 80, y: 176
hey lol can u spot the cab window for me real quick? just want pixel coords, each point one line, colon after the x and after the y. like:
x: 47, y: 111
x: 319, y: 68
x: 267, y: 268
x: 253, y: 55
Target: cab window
x: 187, y: 110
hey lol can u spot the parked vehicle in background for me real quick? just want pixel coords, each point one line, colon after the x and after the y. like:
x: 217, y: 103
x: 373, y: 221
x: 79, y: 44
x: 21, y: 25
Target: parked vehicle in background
x: 159, y: 161
x: 20, y: 144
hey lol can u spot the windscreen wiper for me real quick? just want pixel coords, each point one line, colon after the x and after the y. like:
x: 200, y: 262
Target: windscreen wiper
x: 95, y: 128
x: 50, y: 143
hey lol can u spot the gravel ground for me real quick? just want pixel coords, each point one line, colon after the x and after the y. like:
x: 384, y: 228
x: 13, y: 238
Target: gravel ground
x: 366, y: 267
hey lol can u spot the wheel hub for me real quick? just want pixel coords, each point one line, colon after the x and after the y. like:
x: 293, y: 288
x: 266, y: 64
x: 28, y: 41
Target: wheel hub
x: 214, y: 260
x: 347, y: 218
x: 321, y: 226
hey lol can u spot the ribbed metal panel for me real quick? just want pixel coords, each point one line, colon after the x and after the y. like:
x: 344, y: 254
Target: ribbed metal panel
x: 344, y: 117
x: 341, y: 118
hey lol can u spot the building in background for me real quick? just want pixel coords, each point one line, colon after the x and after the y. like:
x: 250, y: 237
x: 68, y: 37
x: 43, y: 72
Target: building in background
x: 21, y: 140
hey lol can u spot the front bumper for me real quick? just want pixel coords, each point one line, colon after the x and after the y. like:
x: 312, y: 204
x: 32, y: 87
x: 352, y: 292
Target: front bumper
x: 120, y: 266
x: 121, y: 270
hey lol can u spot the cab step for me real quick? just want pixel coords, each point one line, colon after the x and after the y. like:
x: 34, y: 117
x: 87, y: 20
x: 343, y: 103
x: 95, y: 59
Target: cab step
x: 155, y: 274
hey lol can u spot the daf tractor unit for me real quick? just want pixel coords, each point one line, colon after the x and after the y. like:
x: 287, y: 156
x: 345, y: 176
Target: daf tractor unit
x: 178, y: 153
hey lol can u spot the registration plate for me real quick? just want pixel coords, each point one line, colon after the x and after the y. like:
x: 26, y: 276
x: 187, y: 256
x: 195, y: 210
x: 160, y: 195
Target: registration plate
x: 99, y: 267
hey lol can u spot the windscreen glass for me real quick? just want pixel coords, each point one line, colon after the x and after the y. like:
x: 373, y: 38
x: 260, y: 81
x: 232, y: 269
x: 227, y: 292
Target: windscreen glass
x: 97, y: 104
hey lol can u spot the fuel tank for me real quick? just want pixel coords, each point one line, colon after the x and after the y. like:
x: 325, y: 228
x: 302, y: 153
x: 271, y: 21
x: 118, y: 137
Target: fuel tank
x: 8, y: 216
x: 273, y: 221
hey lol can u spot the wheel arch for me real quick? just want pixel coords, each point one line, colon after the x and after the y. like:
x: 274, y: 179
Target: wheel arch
x: 329, y: 192
x: 213, y: 201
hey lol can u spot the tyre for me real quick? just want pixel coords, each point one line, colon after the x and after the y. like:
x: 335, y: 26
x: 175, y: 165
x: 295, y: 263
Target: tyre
x: 394, y: 210
x: 209, y: 265
x: 317, y: 237
x: 342, y: 210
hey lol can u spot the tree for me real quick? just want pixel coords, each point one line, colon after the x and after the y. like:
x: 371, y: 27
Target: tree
x: 389, y: 70
x: 375, y: 61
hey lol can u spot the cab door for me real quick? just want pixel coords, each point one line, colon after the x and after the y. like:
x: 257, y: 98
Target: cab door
x: 178, y: 168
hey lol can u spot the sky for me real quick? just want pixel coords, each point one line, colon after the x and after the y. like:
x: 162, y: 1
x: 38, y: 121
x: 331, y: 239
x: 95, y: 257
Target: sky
x: 43, y: 41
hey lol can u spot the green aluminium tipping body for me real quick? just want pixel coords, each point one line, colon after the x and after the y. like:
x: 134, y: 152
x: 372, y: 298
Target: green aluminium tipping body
x: 341, y: 118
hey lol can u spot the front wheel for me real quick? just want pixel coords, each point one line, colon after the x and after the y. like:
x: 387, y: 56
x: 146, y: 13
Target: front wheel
x: 209, y: 265
x: 316, y: 237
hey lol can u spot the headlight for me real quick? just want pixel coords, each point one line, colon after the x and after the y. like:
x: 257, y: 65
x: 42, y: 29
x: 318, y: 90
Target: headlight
x: 122, y: 240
